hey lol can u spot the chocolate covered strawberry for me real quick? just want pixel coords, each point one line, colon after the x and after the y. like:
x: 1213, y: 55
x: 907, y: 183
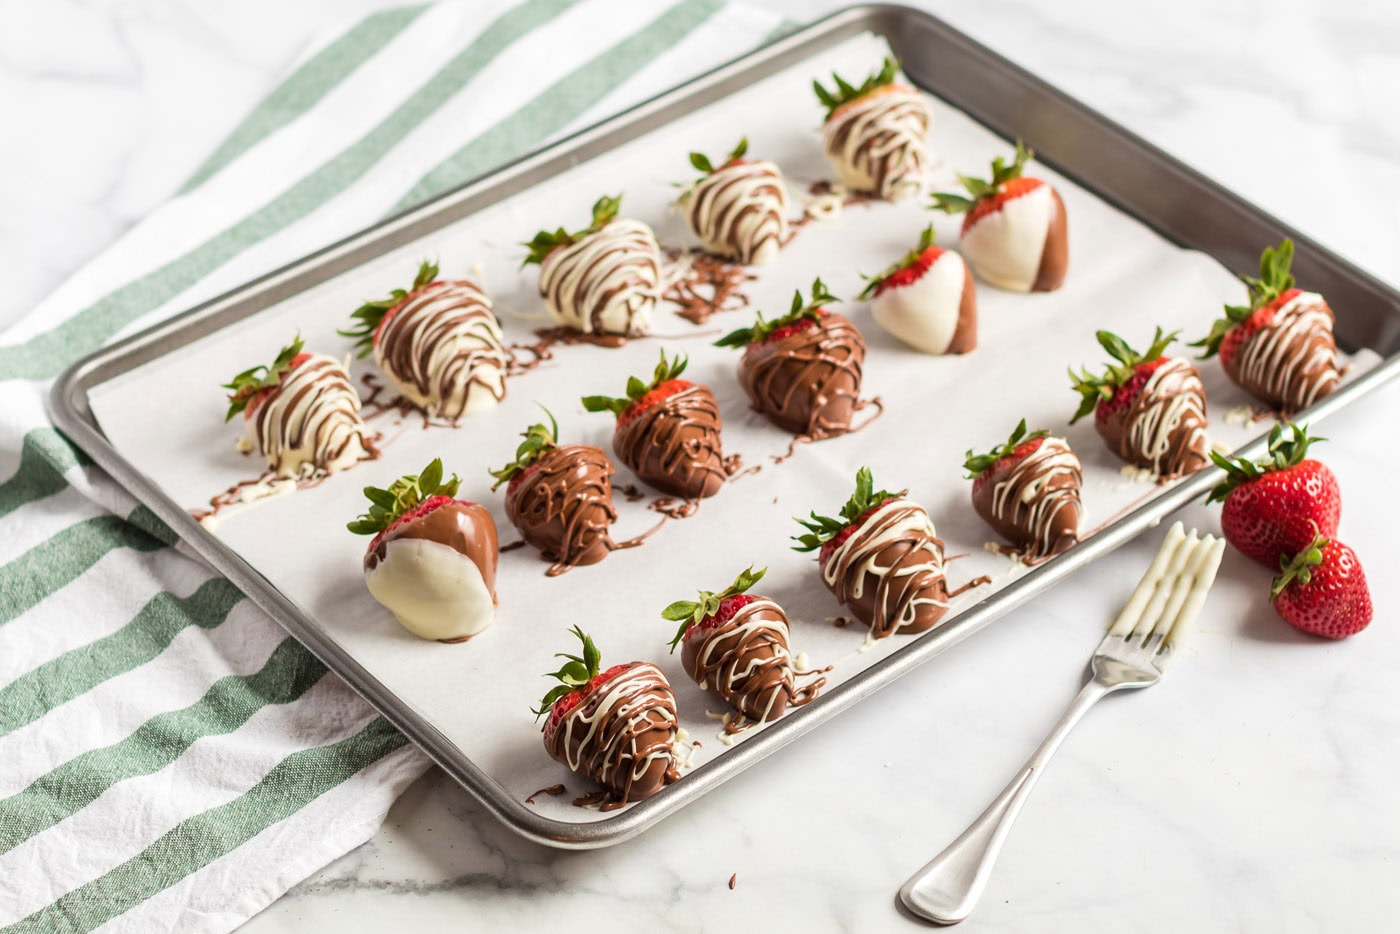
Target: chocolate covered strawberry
x: 1280, y: 346
x: 738, y: 209
x: 604, y: 279
x: 802, y: 370
x: 1014, y: 232
x: 432, y: 561
x: 874, y: 133
x: 1322, y: 591
x: 1148, y: 407
x: 301, y: 412
x: 927, y: 299
x: 668, y: 431
x: 1275, y: 507
x: 438, y: 341
x: 735, y: 644
x: 615, y: 727
x: 881, y: 558
x: 1028, y: 490
x: 560, y: 498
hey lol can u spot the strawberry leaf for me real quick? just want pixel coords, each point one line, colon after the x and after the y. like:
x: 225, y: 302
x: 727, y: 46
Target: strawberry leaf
x: 976, y: 464
x: 666, y: 370
x: 822, y: 529
x: 577, y: 673
x: 387, y: 506
x: 371, y: 314
x: 801, y: 308
x: 538, y: 440
x: 547, y: 241
x: 1094, y: 389
x: 246, y: 385
x: 697, y: 611
x: 1002, y: 172
x: 845, y: 92
x: 1287, y: 447
x: 926, y: 240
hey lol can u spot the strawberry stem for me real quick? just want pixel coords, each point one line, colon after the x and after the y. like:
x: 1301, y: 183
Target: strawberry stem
x: 387, y: 506
x: 1299, y: 567
x: 926, y: 240
x: 371, y: 314
x: 636, y: 389
x: 1274, y: 279
x: 243, y: 387
x: 976, y: 464
x: 538, y: 440
x: 800, y: 309
x: 845, y: 92
x: 1284, y: 451
x: 822, y: 529
x: 1096, y: 389
x: 689, y: 612
x: 1002, y: 172
x: 575, y: 673
x: 547, y: 241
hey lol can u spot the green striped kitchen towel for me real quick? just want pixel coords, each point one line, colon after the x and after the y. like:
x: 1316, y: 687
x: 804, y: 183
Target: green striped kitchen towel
x: 169, y: 758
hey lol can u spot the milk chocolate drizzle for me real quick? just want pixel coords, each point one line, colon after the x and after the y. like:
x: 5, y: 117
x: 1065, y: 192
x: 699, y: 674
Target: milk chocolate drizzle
x: 1035, y: 503
x: 876, y: 142
x: 747, y: 663
x: 740, y: 211
x: 674, y: 444
x: 808, y: 382
x: 710, y: 285
x: 1164, y: 428
x: 1290, y: 362
x: 621, y: 735
x: 312, y: 417
x: 605, y: 283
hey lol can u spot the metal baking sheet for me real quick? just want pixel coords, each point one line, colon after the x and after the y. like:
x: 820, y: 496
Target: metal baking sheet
x: 1078, y: 144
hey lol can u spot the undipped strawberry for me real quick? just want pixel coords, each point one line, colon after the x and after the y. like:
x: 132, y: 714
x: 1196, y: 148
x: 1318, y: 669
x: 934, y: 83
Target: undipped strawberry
x: 1322, y: 591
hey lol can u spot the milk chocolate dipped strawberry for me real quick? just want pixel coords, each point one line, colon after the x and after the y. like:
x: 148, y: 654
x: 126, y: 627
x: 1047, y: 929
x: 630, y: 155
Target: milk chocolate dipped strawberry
x: 874, y: 134
x: 560, y: 498
x: 439, y: 342
x: 604, y: 279
x: 1028, y: 491
x: 1149, y: 408
x: 301, y: 412
x: 1014, y: 233
x: 882, y: 559
x: 668, y: 431
x: 432, y: 561
x: 615, y: 727
x: 1280, y: 346
x: 735, y: 645
x: 738, y: 209
x: 927, y: 299
x: 802, y: 370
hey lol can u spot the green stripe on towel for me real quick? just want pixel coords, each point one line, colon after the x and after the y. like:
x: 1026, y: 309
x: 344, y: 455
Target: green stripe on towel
x: 296, y: 781
x: 289, y: 673
x: 78, y: 671
x: 44, y: 457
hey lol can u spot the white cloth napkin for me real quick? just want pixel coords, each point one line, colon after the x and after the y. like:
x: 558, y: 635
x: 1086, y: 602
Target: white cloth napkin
x: 169, y: 757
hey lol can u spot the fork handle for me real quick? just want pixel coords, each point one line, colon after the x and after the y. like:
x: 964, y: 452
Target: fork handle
x: 947, y: 888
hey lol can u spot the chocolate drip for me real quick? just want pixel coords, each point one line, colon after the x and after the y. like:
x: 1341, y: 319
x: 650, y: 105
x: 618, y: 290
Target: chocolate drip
x: 746, y: 662
x: 605, y: 283
x: 551, y: 790
x: 443, y: 347
x: 1164, y: 428
x: 621, y: 735
x: 1290, y: 362
x: 1035, y: 503
x: 710, y: 286
x: 876, y: 142
x: 808, y: 382
x: 740, y: 211
x: 674, y: 444
x: 562, y: 506
x: 889, y: 571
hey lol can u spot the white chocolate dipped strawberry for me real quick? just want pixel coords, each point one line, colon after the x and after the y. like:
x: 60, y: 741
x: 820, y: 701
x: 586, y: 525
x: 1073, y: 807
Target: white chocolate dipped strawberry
x: 927, y: 299
x: 1014, y: 232
x: 439, y: 342
x: 301, y: 412
x: 739, y: 209
x: 432, y: 562
x: 604, y: 279
x: 874, y: 134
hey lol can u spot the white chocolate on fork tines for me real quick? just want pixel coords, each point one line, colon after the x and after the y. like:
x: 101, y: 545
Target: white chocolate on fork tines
x: 1171, y: 592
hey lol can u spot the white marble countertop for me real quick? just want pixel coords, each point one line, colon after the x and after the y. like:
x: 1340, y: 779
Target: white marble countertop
x: 1253, y: 790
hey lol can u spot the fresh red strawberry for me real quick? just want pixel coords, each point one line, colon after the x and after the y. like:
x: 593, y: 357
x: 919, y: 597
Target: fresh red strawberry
x: 579, y: 678
x: 803, y: 314
x: 1274, y: 508
x: 251, y: 388
x: 372, y: 316
x: 539, y: 439
x: 1006, y: 183
x: 908, y: 270
x: 983, y: 468
x: 846, y: 95
x: 828, y: 534
x: 1322, y: 591
x: 1267, y: 294
x: 712, y: 610
x: 1121, y: 383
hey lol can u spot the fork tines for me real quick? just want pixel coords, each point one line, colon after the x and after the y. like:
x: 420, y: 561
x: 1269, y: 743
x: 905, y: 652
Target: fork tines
x: 1172, y: 590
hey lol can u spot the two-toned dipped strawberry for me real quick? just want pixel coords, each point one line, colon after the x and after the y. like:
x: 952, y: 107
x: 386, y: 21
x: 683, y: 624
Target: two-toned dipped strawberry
x: 875, y: 134
x: 882, y: 559
x: 1322, y: 590
x: 1275, y: 507
x: 739, y: 208
x: 301, y: 412
x: 432, y: 561
x: 604, y: 279
x: 736, y: 645
x: 1014, y: 230
x: 927, y: 299
x: 1149, y: 408
x: 615, y: 727
x: 668, y: 431
x: 802, y: 370
x: 1280, y: 346
x: 560, y: 498
x: 439, y: 342
x: 1028, y: 490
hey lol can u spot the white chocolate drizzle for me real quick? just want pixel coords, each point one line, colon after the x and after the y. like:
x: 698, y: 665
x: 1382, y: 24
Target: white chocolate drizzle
x: 606, y: 283
x: 876, y: 142
x: 739, y: 211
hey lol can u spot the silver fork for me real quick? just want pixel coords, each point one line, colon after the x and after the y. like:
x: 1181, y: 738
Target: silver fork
x: 1132, y: 655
